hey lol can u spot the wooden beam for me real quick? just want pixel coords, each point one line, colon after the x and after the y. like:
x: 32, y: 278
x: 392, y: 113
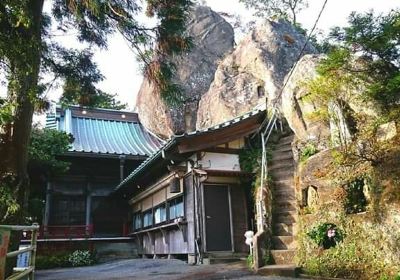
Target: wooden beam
x: 208, y: 140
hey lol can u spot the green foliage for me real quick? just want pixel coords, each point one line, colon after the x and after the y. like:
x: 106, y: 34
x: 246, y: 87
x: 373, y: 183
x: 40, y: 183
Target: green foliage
x: 369, y: 249
x: 45, y: 146
x: 6, y: 110
x: 65, y: 259
x: 355, y: 201
x: 367, y: 51
x: 8, y: 203
x: 326, y: 235
x: 286, y: 9
x: 52, y: 261
x: 308, y: 151
x: 81, y: 258
x: 250, y: 261
x: 250, y: 159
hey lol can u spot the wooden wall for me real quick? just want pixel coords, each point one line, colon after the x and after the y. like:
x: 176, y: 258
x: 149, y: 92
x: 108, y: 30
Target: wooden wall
x: 239, y: 217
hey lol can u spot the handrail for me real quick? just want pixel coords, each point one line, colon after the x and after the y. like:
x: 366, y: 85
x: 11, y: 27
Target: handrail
x: 29, y: 271
x: 265, y: 134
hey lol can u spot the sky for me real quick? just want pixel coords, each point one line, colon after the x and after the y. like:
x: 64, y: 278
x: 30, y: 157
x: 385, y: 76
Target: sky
x: 120, y: 68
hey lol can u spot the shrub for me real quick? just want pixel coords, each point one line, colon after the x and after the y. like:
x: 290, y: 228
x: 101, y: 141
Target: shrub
x: 326, y: 235
x: 81, y: 258
x: 52, y: 261
x: 249, y: 261
x: 308, y: 151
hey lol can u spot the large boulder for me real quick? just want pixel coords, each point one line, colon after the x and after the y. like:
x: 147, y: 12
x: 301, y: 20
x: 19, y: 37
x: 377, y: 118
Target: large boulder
x: 254, y: 71
x: 297, y: 109
x: 212, y: 38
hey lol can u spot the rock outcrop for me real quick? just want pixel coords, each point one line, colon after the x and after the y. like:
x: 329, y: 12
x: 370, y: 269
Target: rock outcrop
x: 255, y: 70
x: 212, y: 38
x: 297, y: 109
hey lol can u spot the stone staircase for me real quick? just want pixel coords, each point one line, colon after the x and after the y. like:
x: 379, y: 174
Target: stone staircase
x: 284, y: 212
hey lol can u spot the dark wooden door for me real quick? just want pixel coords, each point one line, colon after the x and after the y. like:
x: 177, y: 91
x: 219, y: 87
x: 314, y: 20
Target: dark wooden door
x: 218, y: 225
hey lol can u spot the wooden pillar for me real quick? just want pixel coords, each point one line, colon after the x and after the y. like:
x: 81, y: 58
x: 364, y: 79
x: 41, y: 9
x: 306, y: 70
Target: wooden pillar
x: 88, y: 207
x: 46, y: 217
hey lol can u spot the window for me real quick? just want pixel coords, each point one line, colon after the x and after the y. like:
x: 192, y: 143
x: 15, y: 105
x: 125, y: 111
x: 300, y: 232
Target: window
x: 160, y: 214
x: 148, y: 218
x: 137, y: 221
x: 176, y: 208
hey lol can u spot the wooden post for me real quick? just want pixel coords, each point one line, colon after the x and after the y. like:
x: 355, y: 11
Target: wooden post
x: 46, y: 217
x: 88, y: 209
x: 32, y: 259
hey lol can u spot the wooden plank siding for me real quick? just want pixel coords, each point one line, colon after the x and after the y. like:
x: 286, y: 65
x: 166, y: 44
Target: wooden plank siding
x: 239, y: 216
x: 190, y: 212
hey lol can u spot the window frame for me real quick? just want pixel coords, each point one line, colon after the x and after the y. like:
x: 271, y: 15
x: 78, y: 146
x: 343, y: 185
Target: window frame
x: 159, y: 206
x: 137, y: 214
x: 173, y: 200
x: 144, y: 213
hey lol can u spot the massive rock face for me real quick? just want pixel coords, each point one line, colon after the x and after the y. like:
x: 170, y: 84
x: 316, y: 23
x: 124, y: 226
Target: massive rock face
x: 212, y: 38
x: 297, y: 109
x: 255, y: 70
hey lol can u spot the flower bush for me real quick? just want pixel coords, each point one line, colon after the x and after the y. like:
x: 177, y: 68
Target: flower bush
x: 326, y: 235
x: 81, y: 258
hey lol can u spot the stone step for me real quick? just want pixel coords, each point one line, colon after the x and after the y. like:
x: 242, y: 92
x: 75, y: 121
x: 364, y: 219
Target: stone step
x: 281, y: 196
x: 281, y: 156
x: 283, y: 242
x: 283, y: 183
x: 276, y: 164
x: 279, y: 191
x: 283, y: 256
x: 288, y: 217
x: 282, y: 149
x: 287, y: 139
x: 283, y: 229
x: 283, y: 206
x: 283, y: 173
x: 279, y: 270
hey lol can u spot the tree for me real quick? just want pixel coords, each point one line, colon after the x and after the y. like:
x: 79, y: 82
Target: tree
x: 363, y: 70
x: 286, y: 9
x: 27, y: 51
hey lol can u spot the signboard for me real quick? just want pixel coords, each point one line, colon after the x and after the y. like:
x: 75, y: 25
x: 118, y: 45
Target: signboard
x: 4, y: 240
x: 23, y: 259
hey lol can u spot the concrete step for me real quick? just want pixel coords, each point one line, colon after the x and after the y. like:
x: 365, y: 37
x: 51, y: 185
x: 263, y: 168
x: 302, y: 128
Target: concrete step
x: 223, y: 257
x: 288, y: 217
x: 283, y: 256
x: 283, y: 242
x: 283, y: 229
x: 279, y: 270
x: 222, y: 260
x: 287, y: 139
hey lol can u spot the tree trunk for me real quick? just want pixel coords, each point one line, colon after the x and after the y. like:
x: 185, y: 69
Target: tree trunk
x: 22, y: 91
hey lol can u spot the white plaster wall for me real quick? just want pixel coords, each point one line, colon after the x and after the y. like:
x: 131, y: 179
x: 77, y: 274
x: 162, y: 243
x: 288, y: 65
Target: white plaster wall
x: 218, y: 161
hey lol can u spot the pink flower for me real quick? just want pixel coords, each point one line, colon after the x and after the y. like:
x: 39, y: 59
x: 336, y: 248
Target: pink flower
x: 331, y: 233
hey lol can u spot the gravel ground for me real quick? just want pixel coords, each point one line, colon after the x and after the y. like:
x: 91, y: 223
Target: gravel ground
x: 148, y: 269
